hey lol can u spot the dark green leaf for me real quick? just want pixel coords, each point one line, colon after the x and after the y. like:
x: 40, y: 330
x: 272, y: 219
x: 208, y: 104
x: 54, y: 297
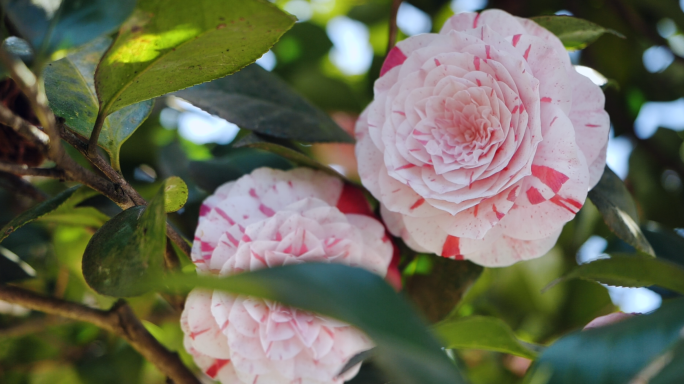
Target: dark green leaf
x: 52, y: 25
x: 436, y: 293
x: 615, y: 353
x: 575, y: 33
x: 628, y: 270
x: 170, y: 45
x: 292, y: 155
x: 12, y: 268
x: 258, y: 100
x: 127, y: 250
x: 71, y: 91
x: 175, y: 194
x: 480, y: 332
x: 619, y: 211
x: 210, y: 174
x: 406, y: 350
x: 667, y: 368
x: 35, y: 212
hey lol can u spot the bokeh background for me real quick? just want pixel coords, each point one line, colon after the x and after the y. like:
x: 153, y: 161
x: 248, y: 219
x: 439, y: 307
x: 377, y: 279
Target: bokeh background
x: 332, y: 56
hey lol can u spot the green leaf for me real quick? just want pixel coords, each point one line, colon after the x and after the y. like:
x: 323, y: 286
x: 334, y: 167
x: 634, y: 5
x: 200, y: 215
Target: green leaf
x: 406, y: 350
x: 438, y: 292
x: 175, y: 194
x: 69, y: 214
x: 70, y: 88
x: 573, y: 32
x: 480, y: 332
x: 258, y: 100
x: 53, y: 25
x: 615, y: 203
x: 127, y: 250
x: 211, y: 174
x: 667, y: 368
x: 612, y: 354
x: 35, y: 212
x: 12, y: 268
x: 629, y: 270
x: 169, y: 45
x: 290, y: 154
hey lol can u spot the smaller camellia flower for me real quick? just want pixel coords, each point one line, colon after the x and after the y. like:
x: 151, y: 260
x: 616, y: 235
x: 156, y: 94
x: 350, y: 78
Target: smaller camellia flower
x: 482, y: 140
x: 266, y: 219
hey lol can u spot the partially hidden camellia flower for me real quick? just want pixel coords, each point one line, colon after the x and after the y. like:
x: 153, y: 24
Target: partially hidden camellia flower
x: 482, y: 140
x: 266, y: 219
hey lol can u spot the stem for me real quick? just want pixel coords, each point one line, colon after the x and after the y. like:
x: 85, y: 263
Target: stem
x: 119, y: 320
x: 29, y: 131
x: 393, y: 25
x: 24, y: 170
x: 92, y: 143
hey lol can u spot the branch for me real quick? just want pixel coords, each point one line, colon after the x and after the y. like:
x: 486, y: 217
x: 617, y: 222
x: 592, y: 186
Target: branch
x: 24, y: 170
x: 119, y: 320
x: 82, y: 146
x: 393, y: 25
x: 21, y: 186
x: 29, y: 131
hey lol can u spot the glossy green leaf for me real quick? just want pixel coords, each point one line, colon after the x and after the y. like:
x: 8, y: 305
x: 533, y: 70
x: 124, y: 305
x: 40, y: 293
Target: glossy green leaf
x: 575, y: 33
x: 629, y: 270
x: 615, y: 203
x: 12, y: 268
x: 69, y: 214
x: 169, y: 45
x: 258, y: 100
x: 211, y: 174
x: 405, y: 349
x: 481, y: 332
x: 175, y: 194
x: 53, y: 25
x: 127, y: 250
x: 70, y: 88
x: 612, y: 354
x: 35, y: 212
x: 290, y: 154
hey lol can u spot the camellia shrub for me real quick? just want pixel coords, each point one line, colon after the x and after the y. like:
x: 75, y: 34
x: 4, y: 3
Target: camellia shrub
x: 416, y: 223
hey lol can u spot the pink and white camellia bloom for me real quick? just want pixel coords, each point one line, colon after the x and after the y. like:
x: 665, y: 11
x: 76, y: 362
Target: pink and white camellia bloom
x: 482, y: 141
x: 266, y: 219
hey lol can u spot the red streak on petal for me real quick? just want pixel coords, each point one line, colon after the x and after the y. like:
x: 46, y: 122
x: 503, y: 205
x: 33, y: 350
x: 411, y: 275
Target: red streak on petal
x: 266, y: 210
x: 573, y: 207
x: 513, y: 194
x: 476, y: 63
x: 394, y: 57
x: 400, y: 113
x: 246, y: 238
x: 527, y: 52
x: 534, y: 196
x: 553, y: 121
x: 406, y: 166
x: 522, y: 108
x: 224, y: 215
x: 499, y: 215
x: 216, y: 367
x: 290, y: 184
x: 477, y: 17
x: 479, y: 83
x: 545, y: 100
x: 487, y: 51
x: 592, y: 125
x: 334, y: 242
x: 252, y: 192
x: 225, y: 325
x: 195, y: 334
x: 232, y: 239
x: 204, y: 210
x: 278, y: 236
x: 417, y: 204
x: 352, y: 200
x: 256, y: 256
x: 437, y: 63
x: 288, y: 249
x: 206, y: 247
x: 549, y: 176
x: 477, y: 208
x: 514, y: 110
x: 452, y: 248
x: 516, y: 38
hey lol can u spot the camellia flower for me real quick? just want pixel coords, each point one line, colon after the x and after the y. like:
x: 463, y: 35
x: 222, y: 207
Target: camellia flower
x: 482, y: 140
x: 266, y: 219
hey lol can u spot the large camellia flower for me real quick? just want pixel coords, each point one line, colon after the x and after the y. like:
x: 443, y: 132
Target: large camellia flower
x: 266, y: 219
x: 482, y: 140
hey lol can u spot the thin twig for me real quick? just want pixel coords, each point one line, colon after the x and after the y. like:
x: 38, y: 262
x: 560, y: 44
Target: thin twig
x: 21, y: 186
x: 392, y: 39
x: 29, y: 131
x: 95, y: 134
x: 119, y: 320
x: 81, y: 145
x: 24, y: 170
